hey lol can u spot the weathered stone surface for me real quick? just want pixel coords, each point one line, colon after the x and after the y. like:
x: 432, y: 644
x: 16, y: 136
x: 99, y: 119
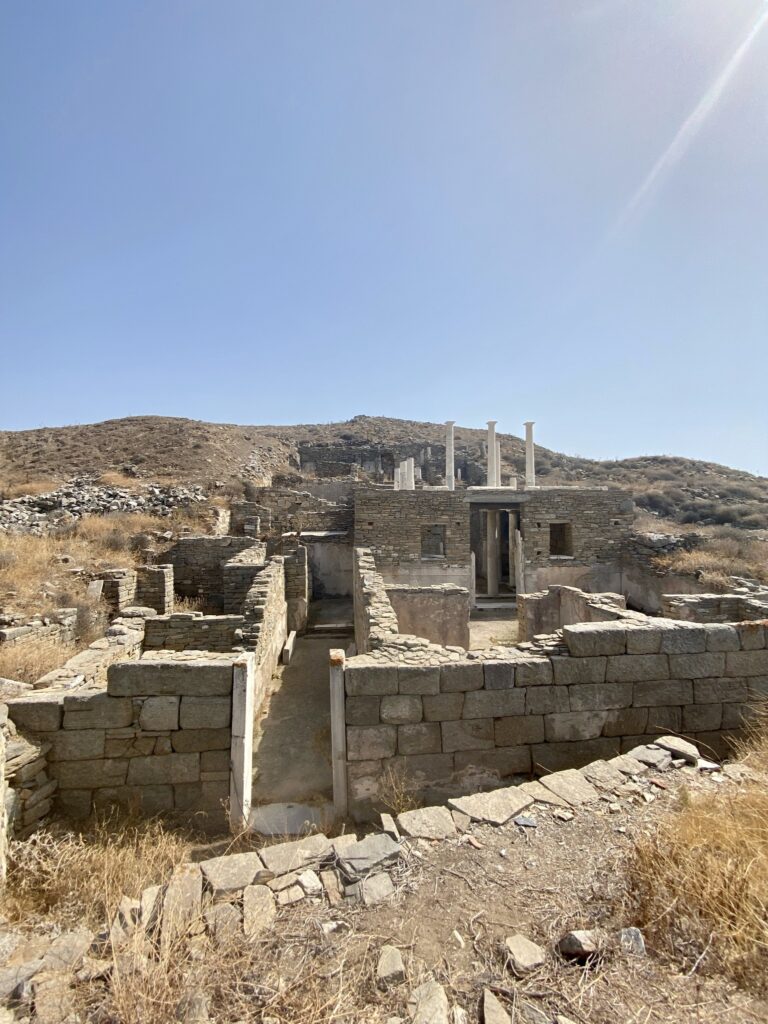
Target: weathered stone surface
x: 541, y: 794
x: 205, y: 712
x: 704, y: 717
x: 625, y: 721
x: 504, y: 761
x: 423, y: 738
x: 77, y: 745
x: 96, y: 711
x: 571, y: 671
x: 603, y: 775
x: 370, y: 680
x: 368, y: 853
x: 684, y: 639
x: 518, y: 729
x: 495, y: 807
x: 499, y: 675
x: 493, y: 703
x: 159, y: 714
x: 696, y: 666
x: 287, y: 819
x: 600, y: 696
x: 368, y: 742
x: 36, y: 712
x: 594, y: 639
x: 89, y: 774
x: 182, y: 904
x: 534, y: 672
x: 293, y: 856
x: 189, y: 741
x: 231, y: 873
x: 663, y: 692
x: 164, y: 769
x: 746, y: 663
x: 631, y: 668
x: 376, y: 888
x: 259, y: 910
x: 472, y: 734
x: 571, y: 786
x: 561, y: 756
x: 721, y: 637
x: 159, y: 678
x: 651, y: 756
x: 363, y: 710
x: 224, y: 922
x: 679, y: 748
x: 522, y: 955
x: 427, y: 823
x: 546, y: 700
x: 574, y: 726
x: 390, y: 970
x: 628, y: 765
x: 644, y: 639
x: 461, y: 677
x: 54, y: 998
x: 428, y: 1004
x: 445, y: 707
x: 401, y: 709
x: 580, y: 944
x: 67, y: 950
x: 493, y: 1011
x: 418, y: 679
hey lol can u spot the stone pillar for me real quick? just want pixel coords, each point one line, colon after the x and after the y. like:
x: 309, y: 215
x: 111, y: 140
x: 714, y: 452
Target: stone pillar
x: 530, y: 464
x: 338, y: 734
x: 449, y: 456
x: 397, y: 478
x: 490, y: 480
x: 410, y: 474
x: 498, y: 463
x: 492, y: 553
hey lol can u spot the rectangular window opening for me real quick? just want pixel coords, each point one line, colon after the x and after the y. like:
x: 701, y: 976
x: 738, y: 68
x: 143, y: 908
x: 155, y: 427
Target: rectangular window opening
x: 560, y: 539
x: 433, y: 542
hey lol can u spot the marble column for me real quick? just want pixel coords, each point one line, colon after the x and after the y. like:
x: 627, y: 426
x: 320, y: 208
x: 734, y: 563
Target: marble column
x: 530, y: 464
x: 491, y: 472
x: 492, y: 553
x: 397, y: 478
x: 498, y: 463
x: 410, y: 474
x: 449, y: 456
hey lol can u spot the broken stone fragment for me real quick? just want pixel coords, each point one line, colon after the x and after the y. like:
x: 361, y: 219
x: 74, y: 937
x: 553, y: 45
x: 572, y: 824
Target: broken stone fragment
x: 310, y: 883
x: 428, y: 1004
x: 361, y: 857
x: 580, y: 944
x: 224, y: 922
x: 229, y: 874
x: 258, y: 910
x: 427, y: 823
x: 182, y: 904
x: 296, y: 855
x: 571, y: 786
x: 522, y: 955
x: 376, y: 888
x: 652, y: 757
x: 496, y: 807
x: 679, y: 748
x: 390, y: 970
x: 53, y: 996
x: 632, y: 941
x: 493, y: 1011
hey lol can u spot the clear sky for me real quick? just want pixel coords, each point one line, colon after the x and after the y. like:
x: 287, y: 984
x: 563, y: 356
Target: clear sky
x: 302, y: 210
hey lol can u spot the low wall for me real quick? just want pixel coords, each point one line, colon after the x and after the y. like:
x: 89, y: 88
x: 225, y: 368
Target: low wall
x: 237, y: 577
x: 122, y: 641
x: 265, y: 617
x: 559, y: 606
x: 439, y: 613
x: 158, y: 739
x: 58, y: 633
x: 375, y: 619
x: 598, y: 691
x: 148, y: 586
x: 192, y: 631
x: 715, y: 607
x: 298, y: 587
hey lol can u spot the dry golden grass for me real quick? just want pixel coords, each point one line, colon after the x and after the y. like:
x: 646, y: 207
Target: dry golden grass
x: 699, y: 884
x: 10, y: 489
x: 80, y: 877
x: 720, y: 557
x: 113, y: 478
x: 26, y: 664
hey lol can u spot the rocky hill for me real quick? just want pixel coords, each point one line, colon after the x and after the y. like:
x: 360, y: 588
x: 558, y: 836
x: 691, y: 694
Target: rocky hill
x: 174, y: 450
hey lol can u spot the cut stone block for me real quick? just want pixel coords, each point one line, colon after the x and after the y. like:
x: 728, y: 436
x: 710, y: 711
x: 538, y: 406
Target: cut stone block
x: 697, y: 666
x: 534, y: 672
x: 684, y: 639
x: 96, y: 711
x: 231, y: 873
x: 163, y: 769
x: 461, y: 677
x: 493, y: 703
x: 367, y: 743
x: 370, y: 680
x: 259, y: 910
x: 495, y: 807
x: 427, y: 823
x: 546, y: 700
x: 390, y: 970
x: 368, y: 853
x: 573, y: 726
x: 470, y: 734
x: 418, y: 679
x: 147, y: 678
x: 523, y: 955
x: 572, y: 671
x: 571, y: 786
x: 445, y: 707
x: 663, y: 692
x: 205, y: 712
x: 679, y: 748
x: 159, y: 714
x: 189, y: 741
x: 499, y: 675
x: 518, y: 730
x: 182, y: 904
x: 293, y: 856
x: 77, y: 745
x: 594, y: 639
x: 363, y: 710
x: 423, y: 738
x: 401, y: 709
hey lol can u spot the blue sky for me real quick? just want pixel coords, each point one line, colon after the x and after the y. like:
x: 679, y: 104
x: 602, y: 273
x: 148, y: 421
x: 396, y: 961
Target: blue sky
x: 302, y: 210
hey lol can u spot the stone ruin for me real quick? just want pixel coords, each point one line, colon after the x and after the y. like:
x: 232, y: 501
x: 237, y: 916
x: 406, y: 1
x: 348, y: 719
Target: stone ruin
x: 409, y: 546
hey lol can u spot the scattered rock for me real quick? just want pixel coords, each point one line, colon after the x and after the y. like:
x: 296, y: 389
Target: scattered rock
x: 679, y: 748
x: 294, y: 856
x: 390, y: 970
x: 310, y: 883
x: 632, y: 941
x: 363, y: 856
x: 653, y: 757
x: 376, y: 888
x: 493, y: 1011
x: 428, y: 1004
x: 580, y: 945
x: 461, y: 821
x: 427, y: 823
x: 182, y: 904
x: 523, y: 955
x: 224, y: 922
x: 388, y: 825
x: 54, y: 997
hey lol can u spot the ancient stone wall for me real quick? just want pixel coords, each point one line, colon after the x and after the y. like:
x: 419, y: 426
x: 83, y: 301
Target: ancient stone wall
x: 375, y: 619
x: 597, y: 691
x: 42, y: 634
x: 439, y: 613
x: 265, y: 615
x: 158, y: 738
x: 298, y: 587
x: 198, y: 565
x: 237, y: 577
x: 558, y: 606
x: 3, y: 795
x: 193, y: 631
x: 122, y: 640
x: 148, y: 586
x: 392, y: 525
x: 715, y: 607
x: 284, y: 510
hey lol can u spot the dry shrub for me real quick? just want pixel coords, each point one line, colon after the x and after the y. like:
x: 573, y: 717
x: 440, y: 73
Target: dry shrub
x: 188, y: 604
x: 699, y: 885
x: 397, y: 791
x: 21, y: 488
x: 721, y: 557
x: 79, y: 877
x: 114, y: 478
x: 27, y: 663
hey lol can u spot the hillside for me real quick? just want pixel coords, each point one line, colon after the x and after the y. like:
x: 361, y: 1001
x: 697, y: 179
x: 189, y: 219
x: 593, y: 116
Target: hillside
x: 190, y: 451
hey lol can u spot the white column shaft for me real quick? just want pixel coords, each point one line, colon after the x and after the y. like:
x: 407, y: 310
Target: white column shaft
x: 450, y: 458
x: 530, y: 461
x: 492, y: 553
x: 491, y: 474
